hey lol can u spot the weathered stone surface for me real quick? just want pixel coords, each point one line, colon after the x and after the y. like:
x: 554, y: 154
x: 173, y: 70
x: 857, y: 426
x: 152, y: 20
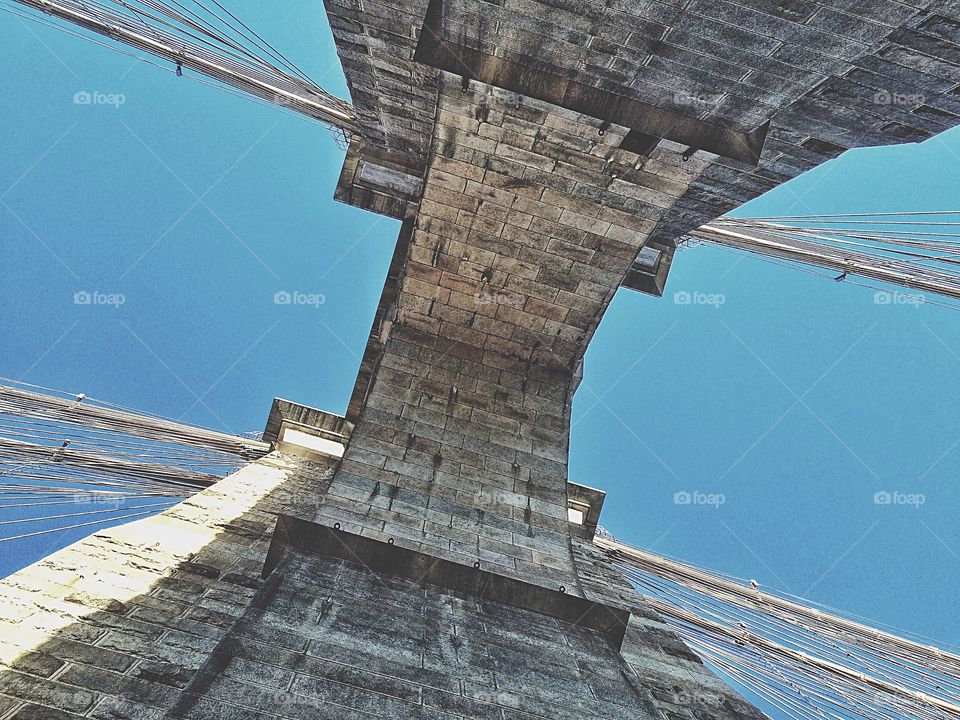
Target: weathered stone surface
x: 521, y: 239
x: 533, y: 214
x: 406, y: 649
x: 827, y: 75
x: 521, y: 218
x: 116, y: 624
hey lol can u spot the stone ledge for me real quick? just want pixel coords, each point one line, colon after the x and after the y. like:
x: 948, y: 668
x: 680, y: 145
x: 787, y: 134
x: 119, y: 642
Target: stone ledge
x: 384, y: 558
x: 530, y: 77
x: 286, y: 410
x: 375, y: 182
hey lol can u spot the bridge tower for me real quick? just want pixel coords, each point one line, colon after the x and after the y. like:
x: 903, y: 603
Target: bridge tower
x: 426, y: 555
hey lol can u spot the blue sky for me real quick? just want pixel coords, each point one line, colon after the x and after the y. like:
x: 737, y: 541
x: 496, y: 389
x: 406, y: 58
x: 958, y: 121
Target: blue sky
x: 795, y: 398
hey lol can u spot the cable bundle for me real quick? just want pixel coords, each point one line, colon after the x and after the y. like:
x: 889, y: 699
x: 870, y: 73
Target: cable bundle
x: 916, y: 250
x: 66, y: 458
x: 802, y: 660
x: 202, y: 36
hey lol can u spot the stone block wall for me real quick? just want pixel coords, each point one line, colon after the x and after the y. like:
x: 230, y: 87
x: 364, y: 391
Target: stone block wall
x: 115, y: 625
x: 394, y: 96
x: 520, y: 242
x: 329, y: 638
x: 168, y: 617
x: 829, y: 75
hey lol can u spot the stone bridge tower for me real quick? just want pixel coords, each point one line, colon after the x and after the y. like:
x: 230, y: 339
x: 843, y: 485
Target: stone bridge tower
x: 426, y: 556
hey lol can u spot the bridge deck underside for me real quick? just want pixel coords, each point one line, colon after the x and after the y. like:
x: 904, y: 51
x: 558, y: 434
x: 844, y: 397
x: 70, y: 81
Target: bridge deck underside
x: 829, y: 76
